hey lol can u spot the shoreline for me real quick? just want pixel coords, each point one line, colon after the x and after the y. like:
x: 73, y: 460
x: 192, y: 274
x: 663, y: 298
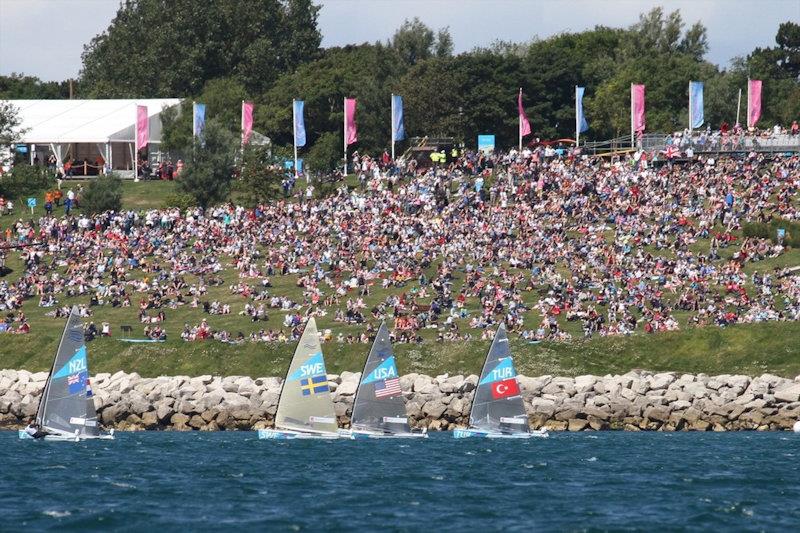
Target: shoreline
x: 636, y: 401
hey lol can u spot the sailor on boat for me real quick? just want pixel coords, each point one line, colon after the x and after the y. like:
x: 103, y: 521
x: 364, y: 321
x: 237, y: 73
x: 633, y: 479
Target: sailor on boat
x: 36, y: 431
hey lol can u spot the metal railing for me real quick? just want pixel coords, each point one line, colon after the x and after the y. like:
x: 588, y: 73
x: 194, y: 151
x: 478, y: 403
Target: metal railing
x: 700, y: 143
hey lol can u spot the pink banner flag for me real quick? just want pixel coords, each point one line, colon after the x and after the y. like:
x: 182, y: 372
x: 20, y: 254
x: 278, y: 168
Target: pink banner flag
x: 753, y: 102
x: 637, y: 108
x: 350, y: 129
x: 142, y: 127
x: 524, y: 125
x: 247, y: 121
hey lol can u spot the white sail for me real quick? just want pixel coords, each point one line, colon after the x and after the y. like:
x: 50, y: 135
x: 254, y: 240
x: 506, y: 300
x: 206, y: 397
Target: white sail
x: 305, y: 403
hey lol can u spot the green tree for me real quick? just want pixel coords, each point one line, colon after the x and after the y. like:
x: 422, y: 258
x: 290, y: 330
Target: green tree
x: 262, y: 174
x: 208, y: 175
x: 19, y: 86
x: 10, y: 122
x: 163, y: 48
x: 102, y: 194
x: 326, y: 154
x: 414, y: 41
x: 176, y: 127
x: 365, y: 72
x: 25, y: 181
x: 223, y: 99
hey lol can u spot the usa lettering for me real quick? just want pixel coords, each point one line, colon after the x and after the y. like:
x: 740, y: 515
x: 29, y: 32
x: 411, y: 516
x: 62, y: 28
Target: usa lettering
x: 384, y: 373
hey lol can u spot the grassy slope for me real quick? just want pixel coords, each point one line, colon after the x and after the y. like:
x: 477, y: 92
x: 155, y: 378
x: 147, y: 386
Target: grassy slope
x: 750, y: 349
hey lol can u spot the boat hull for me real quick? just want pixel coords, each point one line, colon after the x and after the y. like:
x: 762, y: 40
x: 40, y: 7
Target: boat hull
x: 285, y: 434
x: 470, y: 433
x: 360, y: 435
x: 23, y: 435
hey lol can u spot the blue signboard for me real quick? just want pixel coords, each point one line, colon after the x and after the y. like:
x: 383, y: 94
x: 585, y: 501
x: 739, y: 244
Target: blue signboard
x: 486, y: 143
x: 31, y: 202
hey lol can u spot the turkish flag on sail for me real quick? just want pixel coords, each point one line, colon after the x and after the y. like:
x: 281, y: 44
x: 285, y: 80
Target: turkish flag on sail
x: 505, y: 388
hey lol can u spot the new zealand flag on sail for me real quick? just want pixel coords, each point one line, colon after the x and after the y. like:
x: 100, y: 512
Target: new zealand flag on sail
x: 76, y: 383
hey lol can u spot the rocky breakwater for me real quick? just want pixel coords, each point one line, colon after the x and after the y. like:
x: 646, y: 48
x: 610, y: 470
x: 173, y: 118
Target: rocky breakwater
x: 638, y: 400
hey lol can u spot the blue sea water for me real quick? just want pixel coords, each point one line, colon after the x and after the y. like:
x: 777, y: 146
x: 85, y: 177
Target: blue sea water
x: 569, y: 482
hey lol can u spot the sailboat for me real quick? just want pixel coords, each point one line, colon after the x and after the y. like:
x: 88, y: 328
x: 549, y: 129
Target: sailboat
x: 379, y: 410
x: 497, y: 409
x: 305, y: 407
x: 66, y: 410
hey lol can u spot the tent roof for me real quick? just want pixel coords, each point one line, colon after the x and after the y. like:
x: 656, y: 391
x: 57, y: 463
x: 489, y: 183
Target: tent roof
x: 86, y: 121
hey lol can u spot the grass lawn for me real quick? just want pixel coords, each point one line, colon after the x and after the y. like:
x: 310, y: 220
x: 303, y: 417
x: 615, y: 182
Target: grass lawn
x: 748, y: 349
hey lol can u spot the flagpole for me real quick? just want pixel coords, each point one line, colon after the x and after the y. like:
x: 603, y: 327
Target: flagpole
x: 136, y: 146
x: 633, y: 137
x: 577, y: 122
x: 294, y: 140
x: 747, y: 118
x: 392, y: 127
x: 738, y: 106
x: 519, y: 119
x: 690, y: 108
x: 345, y: 134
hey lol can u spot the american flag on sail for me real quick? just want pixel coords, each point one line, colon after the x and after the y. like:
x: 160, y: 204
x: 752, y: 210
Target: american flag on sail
x: 387, y: 387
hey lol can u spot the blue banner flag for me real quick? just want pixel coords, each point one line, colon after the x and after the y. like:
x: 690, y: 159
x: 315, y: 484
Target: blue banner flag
x: 696, y: 117
x: 299, y: 123
x: 199, y: 120
x: 581, y: 120
x: 398, y: 128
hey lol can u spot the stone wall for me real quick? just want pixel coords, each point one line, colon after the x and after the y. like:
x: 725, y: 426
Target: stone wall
x: 635, y: 401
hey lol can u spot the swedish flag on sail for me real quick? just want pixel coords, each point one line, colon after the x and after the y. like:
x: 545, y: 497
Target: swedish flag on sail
x: 314, y: 385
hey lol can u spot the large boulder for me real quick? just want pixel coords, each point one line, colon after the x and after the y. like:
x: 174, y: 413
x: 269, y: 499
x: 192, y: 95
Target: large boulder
x: 788, y: 393
x: 347, y: 388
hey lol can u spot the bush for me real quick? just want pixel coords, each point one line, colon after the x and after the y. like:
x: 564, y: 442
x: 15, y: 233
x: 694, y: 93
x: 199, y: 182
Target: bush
x: 24, y: 181
x: 759, y: 230
x: 102, y: 194
x: 764, y: 230
x: 180, y: 200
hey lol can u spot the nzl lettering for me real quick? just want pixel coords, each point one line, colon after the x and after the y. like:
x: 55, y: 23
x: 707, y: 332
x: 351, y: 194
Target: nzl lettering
x: 77, y: 365
x: 502, y: 373
x: 311, y: 370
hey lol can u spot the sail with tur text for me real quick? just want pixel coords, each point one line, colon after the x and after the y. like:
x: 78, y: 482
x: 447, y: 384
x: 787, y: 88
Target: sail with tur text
x: 498, y: 405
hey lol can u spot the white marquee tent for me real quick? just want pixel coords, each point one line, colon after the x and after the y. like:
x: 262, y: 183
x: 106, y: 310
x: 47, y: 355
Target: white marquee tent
x: 84, y: 129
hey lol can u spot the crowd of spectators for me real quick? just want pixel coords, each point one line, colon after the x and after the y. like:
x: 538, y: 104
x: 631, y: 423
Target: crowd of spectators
x: 529, y: 238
